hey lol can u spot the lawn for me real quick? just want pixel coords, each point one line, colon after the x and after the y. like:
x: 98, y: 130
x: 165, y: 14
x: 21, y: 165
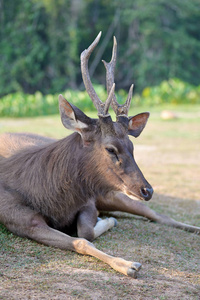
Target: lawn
x: 168, y: 153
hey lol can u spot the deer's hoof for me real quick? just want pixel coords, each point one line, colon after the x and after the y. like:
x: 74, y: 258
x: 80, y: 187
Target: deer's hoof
x: 134, y: 269
x: 115, y: 221
x: 136, y: 265
x: 132, y: 273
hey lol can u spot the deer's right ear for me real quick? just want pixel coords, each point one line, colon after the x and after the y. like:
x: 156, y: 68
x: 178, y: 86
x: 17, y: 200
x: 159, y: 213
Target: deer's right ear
x: 72, y: 117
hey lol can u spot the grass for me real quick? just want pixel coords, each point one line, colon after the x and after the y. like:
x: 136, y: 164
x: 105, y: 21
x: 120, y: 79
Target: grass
x: 168, y: 154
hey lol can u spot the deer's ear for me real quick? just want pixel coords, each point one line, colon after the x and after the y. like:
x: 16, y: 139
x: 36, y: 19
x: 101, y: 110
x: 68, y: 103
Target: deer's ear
x: 137, y: 124
x: 72, y: 117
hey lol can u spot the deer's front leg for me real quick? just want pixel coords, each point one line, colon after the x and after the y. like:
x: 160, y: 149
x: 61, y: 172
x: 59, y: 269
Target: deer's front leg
x: 121, y: 202
x: 88, y: 225
x: 123, y: 266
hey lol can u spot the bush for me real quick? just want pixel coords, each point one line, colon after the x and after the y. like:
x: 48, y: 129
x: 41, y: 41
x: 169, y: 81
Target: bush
x: 22, y: 105
x: 173, y: 91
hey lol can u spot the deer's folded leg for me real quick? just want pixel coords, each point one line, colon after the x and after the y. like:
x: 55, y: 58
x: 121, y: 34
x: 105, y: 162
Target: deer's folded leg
x: 103, y: 226
x: 88, y: 226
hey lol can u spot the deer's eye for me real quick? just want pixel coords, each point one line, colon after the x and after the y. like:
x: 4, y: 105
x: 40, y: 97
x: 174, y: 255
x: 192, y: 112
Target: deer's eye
x: 112, y: 152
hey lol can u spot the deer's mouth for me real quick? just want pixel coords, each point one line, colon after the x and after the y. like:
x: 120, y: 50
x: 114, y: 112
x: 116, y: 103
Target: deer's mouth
x: 134, y: 196
x: 145, y: 194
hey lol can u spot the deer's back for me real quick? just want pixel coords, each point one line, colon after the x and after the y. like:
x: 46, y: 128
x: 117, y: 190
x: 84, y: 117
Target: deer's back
x: 10, y: 143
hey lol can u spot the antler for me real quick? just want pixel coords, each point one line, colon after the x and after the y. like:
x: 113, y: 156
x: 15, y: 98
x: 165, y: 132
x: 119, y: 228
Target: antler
x: 101, y: 107
x: 120, y: 110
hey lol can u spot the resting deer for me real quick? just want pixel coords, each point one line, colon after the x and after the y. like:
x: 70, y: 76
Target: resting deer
x: 47, y: 185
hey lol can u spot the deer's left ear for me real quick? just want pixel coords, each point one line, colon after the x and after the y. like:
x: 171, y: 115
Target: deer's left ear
x: 137, y: 124
x: 72, y: 117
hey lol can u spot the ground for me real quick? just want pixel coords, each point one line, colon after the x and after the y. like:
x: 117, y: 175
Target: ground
x: 168, y: 154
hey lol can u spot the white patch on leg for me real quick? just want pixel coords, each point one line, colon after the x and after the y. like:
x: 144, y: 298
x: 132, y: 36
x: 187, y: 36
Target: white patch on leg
x: 103, y: 226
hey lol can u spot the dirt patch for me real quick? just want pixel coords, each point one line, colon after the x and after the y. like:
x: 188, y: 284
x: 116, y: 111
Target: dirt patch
x: 59, y: 282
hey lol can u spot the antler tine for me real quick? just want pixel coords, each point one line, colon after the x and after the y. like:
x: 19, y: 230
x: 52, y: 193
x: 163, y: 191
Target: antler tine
x: 109, y: 99
x: 85, y: 55
x: 110, y: 70
x: 120, y: 110
x: 127, y: 104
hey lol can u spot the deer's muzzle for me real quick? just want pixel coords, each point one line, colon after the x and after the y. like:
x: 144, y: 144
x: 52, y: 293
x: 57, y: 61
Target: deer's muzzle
x: 146, y: 193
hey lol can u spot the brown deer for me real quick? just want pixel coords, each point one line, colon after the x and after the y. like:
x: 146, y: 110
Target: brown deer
x: 48, y: 186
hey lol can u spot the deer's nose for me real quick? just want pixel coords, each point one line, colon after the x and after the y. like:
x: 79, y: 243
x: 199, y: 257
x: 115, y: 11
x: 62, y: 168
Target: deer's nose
x: 146, y: 193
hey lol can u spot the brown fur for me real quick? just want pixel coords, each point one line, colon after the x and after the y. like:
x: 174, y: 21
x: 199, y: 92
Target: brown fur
x: 56, y: 178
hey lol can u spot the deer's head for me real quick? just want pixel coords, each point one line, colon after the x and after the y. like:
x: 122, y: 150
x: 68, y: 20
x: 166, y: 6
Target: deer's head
x: 109, y: 140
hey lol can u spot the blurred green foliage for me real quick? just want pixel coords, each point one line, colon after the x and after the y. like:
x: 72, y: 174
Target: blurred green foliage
x: 173, y: 91
x: 41, y: 40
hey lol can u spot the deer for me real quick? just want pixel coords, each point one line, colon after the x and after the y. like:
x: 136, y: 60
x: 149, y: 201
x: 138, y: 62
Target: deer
x: 48, y: 186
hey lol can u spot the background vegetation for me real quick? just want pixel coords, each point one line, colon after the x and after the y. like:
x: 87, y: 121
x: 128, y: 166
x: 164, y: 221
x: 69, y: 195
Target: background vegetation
x: 170, y: 92
x: 41, y: 41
